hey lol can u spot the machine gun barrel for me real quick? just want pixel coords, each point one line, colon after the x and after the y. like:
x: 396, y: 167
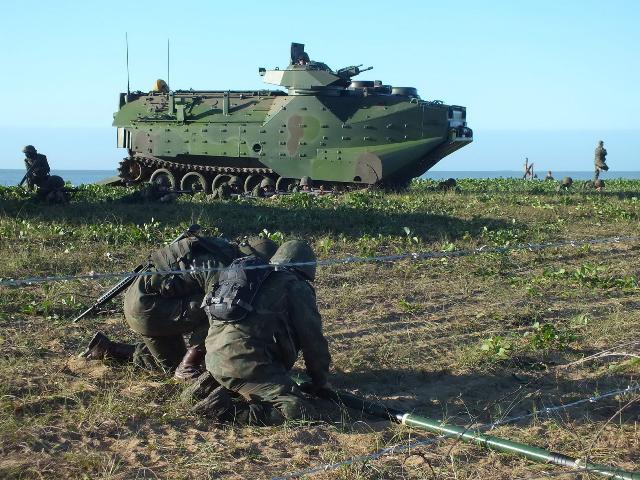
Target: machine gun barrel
x: 474, y: 435
x: 123, y: 284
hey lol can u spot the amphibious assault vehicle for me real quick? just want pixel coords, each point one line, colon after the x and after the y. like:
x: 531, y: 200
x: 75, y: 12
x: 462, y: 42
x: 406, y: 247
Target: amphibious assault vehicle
x: 341, y: 132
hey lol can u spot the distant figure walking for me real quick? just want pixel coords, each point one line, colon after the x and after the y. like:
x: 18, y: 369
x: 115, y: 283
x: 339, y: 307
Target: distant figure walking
x: 600, y: 160
x: 549, y: 176
x: 528, y: 169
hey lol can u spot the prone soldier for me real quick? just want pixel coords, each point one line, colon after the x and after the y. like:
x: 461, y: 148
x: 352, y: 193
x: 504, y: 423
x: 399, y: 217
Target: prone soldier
x: 157, y: 191
x: 164, y: 307
x: 565, y: 185
x: 305, y: 185
x: 448, y: 185
x: 266, y: 188
x: 227, y: 189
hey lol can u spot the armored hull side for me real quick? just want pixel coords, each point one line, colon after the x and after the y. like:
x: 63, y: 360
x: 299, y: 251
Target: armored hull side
x: 338, y: 132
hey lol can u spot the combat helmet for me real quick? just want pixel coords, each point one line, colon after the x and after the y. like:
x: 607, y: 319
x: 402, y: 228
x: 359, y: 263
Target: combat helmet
x: 267, y: 182
x: 264, y: 248
x: 297, y: 251
x: 29, y: 149
x: 305, y: 181
x: 567, y: 181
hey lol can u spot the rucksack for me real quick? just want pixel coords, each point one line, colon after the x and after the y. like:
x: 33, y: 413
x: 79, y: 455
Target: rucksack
x: 237, y: 288
x: 170, y: 257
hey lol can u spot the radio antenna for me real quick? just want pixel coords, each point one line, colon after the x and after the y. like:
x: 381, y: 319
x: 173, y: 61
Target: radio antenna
x: 168, y: 77
x: 126, y: 39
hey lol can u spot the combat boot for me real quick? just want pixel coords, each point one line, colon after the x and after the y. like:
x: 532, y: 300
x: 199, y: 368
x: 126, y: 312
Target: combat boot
x: 218, y: 405
x: 191, y: 365
x: 101, y: 348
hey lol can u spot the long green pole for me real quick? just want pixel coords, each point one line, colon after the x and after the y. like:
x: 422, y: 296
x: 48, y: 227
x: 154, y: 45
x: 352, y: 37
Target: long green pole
x: 475, y: 436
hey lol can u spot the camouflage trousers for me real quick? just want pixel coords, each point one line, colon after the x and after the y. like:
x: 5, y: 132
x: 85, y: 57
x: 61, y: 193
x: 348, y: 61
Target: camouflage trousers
x: 277, y: 398
x: 164, y: 323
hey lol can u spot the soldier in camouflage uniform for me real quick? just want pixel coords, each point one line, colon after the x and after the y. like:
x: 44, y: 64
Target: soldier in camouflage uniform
x: 227, y: 189
x: 37, y: 167
x: 252, y: 358
x: 49, y: 188
x: 448, y: 185
x: 565, y: 185
x: 156, y: 191
x: 162, y: 308
x: 266, y: 188
x: 600, y: 160
x: 305, y: 185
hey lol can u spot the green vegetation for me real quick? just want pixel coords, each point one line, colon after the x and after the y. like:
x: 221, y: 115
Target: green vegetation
x: 467, y: 338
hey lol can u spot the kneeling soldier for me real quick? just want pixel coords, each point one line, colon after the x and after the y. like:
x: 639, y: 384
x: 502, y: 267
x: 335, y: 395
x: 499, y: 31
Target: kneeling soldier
x: 162, y: 307
x: 253, y: 342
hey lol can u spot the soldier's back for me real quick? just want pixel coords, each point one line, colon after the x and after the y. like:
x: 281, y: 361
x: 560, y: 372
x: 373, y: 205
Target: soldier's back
x: 247, y: 348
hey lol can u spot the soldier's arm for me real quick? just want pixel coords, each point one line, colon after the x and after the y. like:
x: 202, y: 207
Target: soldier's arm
x: 307, y: 328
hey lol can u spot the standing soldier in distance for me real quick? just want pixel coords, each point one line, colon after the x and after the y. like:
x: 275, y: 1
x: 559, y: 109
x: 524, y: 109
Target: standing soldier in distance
x: 600, y: 160
x: 162, y: 308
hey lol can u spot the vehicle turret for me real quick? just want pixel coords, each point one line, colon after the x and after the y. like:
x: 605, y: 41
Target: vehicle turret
x: 306, y: 77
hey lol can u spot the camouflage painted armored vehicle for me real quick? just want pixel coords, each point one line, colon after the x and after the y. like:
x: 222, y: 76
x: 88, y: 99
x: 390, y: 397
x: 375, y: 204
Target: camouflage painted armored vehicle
x: 338, y: 131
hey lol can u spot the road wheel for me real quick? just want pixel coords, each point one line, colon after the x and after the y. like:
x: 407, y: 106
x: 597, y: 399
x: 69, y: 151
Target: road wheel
x: 283, y: 184
x: 162, y: 176
x: 132, y: 170
x: 219, y: 180
x: 252, y: 181
x: 195, y: 182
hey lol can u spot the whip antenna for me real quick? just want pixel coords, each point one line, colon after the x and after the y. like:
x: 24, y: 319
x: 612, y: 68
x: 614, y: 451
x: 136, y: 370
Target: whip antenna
x: 168, y: 77
x: 126, y: 40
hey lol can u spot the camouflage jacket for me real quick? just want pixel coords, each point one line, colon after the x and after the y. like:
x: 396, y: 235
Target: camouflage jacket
x: 600, y: 156
x: 40, y: 168
x: 223, y: 192
x: 190, y: 255
x: 266, y: 343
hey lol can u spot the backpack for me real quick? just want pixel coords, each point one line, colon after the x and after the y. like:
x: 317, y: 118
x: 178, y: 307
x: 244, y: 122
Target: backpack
x: 237, y: 288
x: 182, y: 251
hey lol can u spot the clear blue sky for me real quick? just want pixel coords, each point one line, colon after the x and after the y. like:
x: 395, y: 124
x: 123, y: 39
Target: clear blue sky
x: 541, y: 68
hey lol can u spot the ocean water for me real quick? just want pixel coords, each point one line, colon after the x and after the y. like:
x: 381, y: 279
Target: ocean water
x: 77, y: 177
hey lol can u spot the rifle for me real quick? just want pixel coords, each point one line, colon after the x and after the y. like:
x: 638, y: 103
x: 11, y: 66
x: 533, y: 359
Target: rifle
x: 26, y: 175
x: 123, y: 284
